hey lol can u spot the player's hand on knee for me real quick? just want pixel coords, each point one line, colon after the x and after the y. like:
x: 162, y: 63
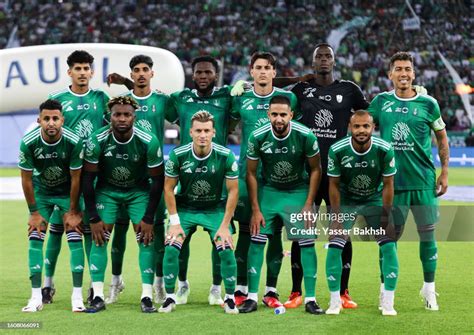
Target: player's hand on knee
x: 307, y: 212
x: 146, y: 232
x: 98, y: 232
x: 224, y: 237
x: 175, y: 233
x: 255, y: 222
x: 36, y: 222
x: 115, y: 78
x: 72, y: 221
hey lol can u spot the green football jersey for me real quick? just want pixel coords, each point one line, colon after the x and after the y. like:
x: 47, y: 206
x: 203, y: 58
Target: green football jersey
x: 83, y: 113
x: 152, y: 112
x: 51, y: 163
x: 187, y: 102
x: 201, y: 180
x: 283, y: 159
x: 361, y: 174
x: 123, y: 166
x: 407, y: 125
x: 251, y: 108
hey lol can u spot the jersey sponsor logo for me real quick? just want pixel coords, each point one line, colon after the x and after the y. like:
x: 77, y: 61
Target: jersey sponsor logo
x: 247, y: 102
x: 234, y: 167
x: 81, y: 154
x: 392, y: 162
x: 186, y: 164
x: 190, y: 100
x: 348, y: 165
x: 48, y: 156
x: 251, y: 148
x: 67, y: 106
x: 261, y: 121
x: 346, y: 159
x: 145, y: 124
x: 361, y: 181
x: 268, y: 151
x: 188, y: 170
x: 108, y: 154
x: 326, y: 97
x: 323, y: 118
x: 22, y: 158
x: 315, y: 145
x: 283, y: 168
x: 386, y: 106
x: 308, y: 92
x: 282, y: 150
x: 202, y: 169
x: 99, y: 206
x: 266, y: 145
x: 330, y: 164
x: 339, y: 98
x: 145, y: 108
x: 364, y: 164
x: 121, y: 173
x: 201, y: 187
x: 122, y: 156
x: 89, y: 148
x: 249, y: 108
x: 403, y: 110
x: 84, y: 128
x: 400, y: 131
x: 52, y: 173
x: 159, y: 153
x: 169, y: 166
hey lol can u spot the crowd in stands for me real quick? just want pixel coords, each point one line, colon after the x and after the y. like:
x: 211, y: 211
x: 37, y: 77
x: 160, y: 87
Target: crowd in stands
x: 233, y: 30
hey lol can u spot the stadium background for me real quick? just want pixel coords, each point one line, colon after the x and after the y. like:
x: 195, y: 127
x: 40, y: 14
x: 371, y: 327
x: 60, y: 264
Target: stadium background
x: 365, y: 34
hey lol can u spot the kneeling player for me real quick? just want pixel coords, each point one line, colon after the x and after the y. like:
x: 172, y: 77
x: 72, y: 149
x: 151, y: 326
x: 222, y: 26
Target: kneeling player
x: 284, y: 147
x: 361, y: 170
x: 55, y: 153
x: 124, y: 158
x: 201, y: 167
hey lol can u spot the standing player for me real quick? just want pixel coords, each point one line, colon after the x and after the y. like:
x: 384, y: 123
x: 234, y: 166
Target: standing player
x: 406, y: 119
x: 54, y: 154
x: 183, y: 105
x: 361, y: 169
x: 284, y: 147
x: 326, y: 105
x: 201, y: 168
x: 150, y: 116
x: 83, y: 109
x: 124, y: 158
x: 251, y: 108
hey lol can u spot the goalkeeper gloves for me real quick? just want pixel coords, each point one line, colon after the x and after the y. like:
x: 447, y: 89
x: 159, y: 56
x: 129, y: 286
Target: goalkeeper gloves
x: 239, y: 88
x: 421, y: 90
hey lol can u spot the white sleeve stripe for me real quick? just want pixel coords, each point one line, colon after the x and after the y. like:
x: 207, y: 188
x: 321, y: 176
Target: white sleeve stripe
x: 390, y: 174
x: 313, y: 154
x: 153, y: 166
x: 252, y: 158
x: 231, y: 177
x: 75, y: 168
x: 25, y: 169
x: 92, y: 162
x: 171, y: 175
x: 333, y: 175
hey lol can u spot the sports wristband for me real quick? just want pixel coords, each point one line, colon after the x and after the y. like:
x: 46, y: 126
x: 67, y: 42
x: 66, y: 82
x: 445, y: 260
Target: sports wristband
x: 174, y: 220
x: 33, y: 208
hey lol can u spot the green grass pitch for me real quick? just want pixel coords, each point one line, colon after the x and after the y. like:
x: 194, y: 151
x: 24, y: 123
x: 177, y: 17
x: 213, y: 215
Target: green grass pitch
x: 454, y: 283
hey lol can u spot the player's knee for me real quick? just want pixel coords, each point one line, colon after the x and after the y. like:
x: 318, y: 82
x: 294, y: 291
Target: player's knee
x: 306, y: 243
x: 260, y: 239
x: 426, y: 232
x: 73, y: 236
x: 56, y: 229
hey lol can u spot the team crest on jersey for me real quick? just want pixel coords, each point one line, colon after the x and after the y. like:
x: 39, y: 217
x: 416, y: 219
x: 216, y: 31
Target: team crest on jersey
x: 52, y: 173
x: 323, y: 118
x: 121, y: 173
x: 283, y: 168
x: 400, y: 131
x: 145, y: 124
x: 201, y: 187
x: 362, y: 181
x: 136, y: 157
x: 339, y: 98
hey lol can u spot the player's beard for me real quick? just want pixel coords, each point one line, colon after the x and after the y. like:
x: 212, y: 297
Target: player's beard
x: 208, y: 89
x: 281, y: 130
x: 363, y: 142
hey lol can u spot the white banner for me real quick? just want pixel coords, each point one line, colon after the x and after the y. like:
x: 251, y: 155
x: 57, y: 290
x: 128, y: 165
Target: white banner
x: 29, y: 74
x: 411, y: 23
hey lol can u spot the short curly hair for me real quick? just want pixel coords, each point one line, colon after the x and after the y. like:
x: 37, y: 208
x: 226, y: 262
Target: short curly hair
x: 122, y: 100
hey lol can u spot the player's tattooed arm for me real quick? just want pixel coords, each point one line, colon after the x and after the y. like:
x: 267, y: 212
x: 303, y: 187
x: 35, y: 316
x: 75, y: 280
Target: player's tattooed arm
x: 252, y: 187
x: 73, y: 218
x: 443, y: 152
x: 36, y: 221
x: 115, y: 78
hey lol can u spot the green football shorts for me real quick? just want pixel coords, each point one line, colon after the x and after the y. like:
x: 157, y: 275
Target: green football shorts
x: 423, y: 204
x: 109, y: 204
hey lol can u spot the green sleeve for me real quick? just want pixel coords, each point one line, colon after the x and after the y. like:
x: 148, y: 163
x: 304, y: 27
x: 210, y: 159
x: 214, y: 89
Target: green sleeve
x: 311, y: 145
x: 295, y: 107
x: 77, y: 156
x: 168, y: 103
x: 25, y: 158
x: 172, y: 165
x: 172, y: 111
x: 437, y: 122
x: 374, y: 109
x: 105, y: 101
x: 92, y: 150
x: 389, y: 168
x: 235, y: 111
x: 253, y: 149
x: 154, y: 153
x: 334, y: 165
x: 231, y: 167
